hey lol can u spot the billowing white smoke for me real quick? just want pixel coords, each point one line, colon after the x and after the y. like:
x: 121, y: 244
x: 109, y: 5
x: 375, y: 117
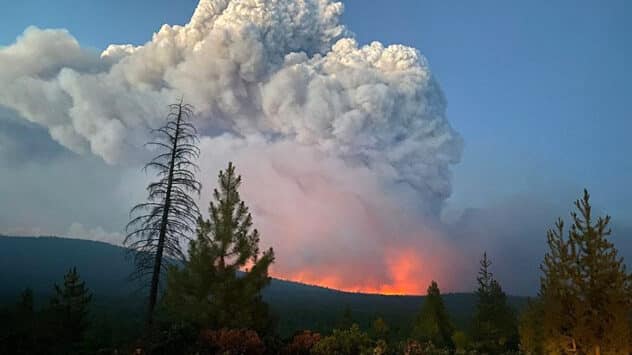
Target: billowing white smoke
x: 285, y: 72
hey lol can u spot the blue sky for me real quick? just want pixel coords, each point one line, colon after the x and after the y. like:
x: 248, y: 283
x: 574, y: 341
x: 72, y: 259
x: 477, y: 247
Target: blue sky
x: 539, y: 90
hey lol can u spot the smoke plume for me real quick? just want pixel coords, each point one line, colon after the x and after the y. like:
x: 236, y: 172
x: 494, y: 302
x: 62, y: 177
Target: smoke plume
x: 345, y: 149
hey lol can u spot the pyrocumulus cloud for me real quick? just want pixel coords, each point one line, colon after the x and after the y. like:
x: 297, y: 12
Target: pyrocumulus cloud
x: 345, y: 149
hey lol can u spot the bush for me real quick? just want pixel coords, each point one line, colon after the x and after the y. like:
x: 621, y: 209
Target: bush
x: 461, y: 341
x: 302, y: 343
x: 174, y: 338
x: 414, y: 347
x: 381, y: 348
x: 232, y: 342
x: 350, y: 341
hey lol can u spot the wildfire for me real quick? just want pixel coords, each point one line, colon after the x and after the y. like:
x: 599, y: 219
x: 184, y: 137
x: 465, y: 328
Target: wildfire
x: 407, y: 275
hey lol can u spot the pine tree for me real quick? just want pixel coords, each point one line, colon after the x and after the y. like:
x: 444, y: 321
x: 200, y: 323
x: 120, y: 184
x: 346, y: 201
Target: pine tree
x: 168, y: 217
x: 69, y: 307
x: 558, y: 295
x: 495, y: 326
x: 586, y: 290
x: 220, y: 284
x: 433, y: 323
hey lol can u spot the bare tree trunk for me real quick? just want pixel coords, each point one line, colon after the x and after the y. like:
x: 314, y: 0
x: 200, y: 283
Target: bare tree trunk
x: 155, y: 279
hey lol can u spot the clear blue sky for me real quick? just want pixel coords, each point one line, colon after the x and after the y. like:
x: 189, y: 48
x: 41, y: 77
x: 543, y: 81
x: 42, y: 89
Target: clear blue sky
x: 539, y: 90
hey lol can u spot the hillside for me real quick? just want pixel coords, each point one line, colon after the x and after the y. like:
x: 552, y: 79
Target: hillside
x: 39, y: 262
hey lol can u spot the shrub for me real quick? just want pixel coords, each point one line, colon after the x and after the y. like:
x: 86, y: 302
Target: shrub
x: 232, y: 341
x: 350, y: 341
x: 414, y: 347
x: 461, y: 341
x: 302, y: 343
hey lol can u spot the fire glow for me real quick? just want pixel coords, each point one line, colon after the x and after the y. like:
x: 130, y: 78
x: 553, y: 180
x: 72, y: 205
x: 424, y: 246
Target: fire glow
x: 336, y: 225
x: 407, y: 275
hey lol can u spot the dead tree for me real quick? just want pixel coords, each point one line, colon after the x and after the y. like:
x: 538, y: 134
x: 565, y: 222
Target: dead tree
x: 158, y: 226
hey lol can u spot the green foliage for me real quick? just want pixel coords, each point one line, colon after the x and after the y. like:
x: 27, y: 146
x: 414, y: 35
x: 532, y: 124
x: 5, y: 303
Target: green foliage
x: 461, y: 341
x: 211, y: 290
x: 58, y: 329
x: 232, y: 342
x: 530, y: 328
x: 170, y: 338
x: 350, y: 341
x: 302, y: 343
x: 494, y: 327
x: 414, y: 347
x: 380, y: 329
x: 433, y: 323
x: 586, y: 291
x: 69, y: 310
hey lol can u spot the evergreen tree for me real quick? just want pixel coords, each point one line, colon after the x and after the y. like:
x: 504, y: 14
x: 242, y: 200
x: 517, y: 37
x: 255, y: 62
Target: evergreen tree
x: 23, y: 325
x: 170, y: 213
x: 495, y: 326
x: 433, y: 323
x: 585, y: 290
x: 220, y: 284
x: 69, y: 309
x: 558, y: 295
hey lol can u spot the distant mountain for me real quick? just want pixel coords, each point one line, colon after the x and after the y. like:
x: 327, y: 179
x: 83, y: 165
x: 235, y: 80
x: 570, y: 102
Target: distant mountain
x: 39, y: 262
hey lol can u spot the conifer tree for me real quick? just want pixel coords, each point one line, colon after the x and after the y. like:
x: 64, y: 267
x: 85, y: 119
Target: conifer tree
x: 22, y: 332
x: 586, y: 290
x: 433, y: 323
x: 169, y: 216
x: 220, y: 284
x: 69, y: 307
x: 495, y: 326
x: 558, y: 295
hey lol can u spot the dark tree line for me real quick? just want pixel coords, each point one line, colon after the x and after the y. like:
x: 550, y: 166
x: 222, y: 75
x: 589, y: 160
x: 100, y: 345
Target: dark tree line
x: 58, y: 328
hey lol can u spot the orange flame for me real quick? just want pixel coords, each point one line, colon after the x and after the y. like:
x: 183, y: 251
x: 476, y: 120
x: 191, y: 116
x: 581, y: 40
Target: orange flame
x: 407, y: 276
